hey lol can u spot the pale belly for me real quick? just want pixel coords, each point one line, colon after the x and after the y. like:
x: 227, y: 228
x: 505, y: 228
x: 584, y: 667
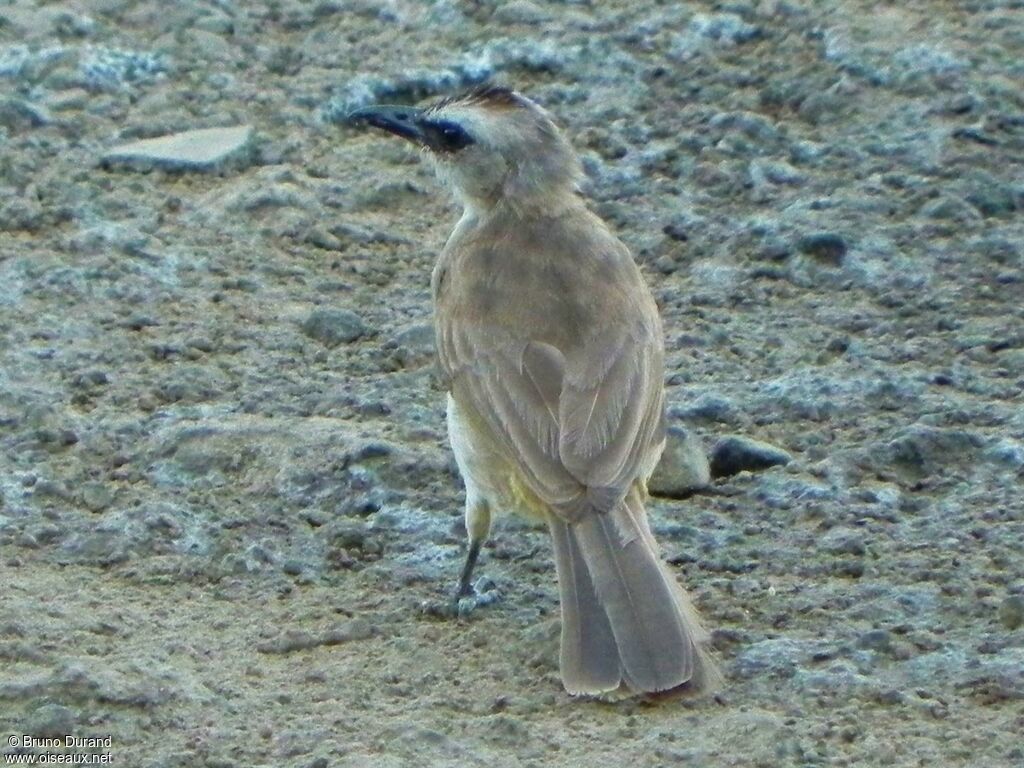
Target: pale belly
x: 488, y: 475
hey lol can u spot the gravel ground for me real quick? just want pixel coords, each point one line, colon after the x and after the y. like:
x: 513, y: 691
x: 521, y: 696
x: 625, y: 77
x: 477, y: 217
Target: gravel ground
x: 225, y: 489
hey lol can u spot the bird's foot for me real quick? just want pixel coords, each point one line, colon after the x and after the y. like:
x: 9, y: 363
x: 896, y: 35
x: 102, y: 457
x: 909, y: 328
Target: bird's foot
x: 466, y: 599
x: 483, y: 593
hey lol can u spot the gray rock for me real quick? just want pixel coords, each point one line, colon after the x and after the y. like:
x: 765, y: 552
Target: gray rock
x: 879, y: 640
x: 826, y: 247
x: 750, y: 124
x: 1006, y: 452
x: 924, y: 61
x: 822, y: 107
x: 923, y: 450
x: 109, y: 69
x: 20, y: 62
x: 950, y: 208
x: 708, y: 406
x: 995, y: 677
x: 734, y: 454
x: 706, y: 32
x: 775, y: 172
x: 96, y: 496
x: 683, y: 467
x: 19, y: 214
x: 192, y: 384
x: 843, y: 541
x: 520, y: 12
x: 209, y: 44
x: 332, y: 327
x: 100, y: 547
x: 782, y: 490
x: 297, y: 640
x: 52, y: 720
x: 854, y: 58
x: 415, y: 345
x: 991, y: 196
x: 354, y: 537
x: 816, y: 394
x: 205, y: 149
x: 17, y: 114
x: 46, y: 533
x: 479, y: 63
x: 775, y: 658
x: 124, y: 534
x: 347, y: 232
x: 840, y: 678
x: 724, y: 28
x: 1011, y: 612
x: 193, y: 453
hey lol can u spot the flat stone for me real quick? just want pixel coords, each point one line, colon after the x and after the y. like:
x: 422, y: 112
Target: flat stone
x: 206, y: 149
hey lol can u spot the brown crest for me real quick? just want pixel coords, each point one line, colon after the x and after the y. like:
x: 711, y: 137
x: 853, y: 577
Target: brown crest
x: 487, y: 95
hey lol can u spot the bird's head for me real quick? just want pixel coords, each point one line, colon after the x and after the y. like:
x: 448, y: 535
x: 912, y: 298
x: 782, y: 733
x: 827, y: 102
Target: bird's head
x: 491, y: 144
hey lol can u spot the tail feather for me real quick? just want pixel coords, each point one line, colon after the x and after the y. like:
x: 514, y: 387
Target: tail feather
x: 589, y: 655
x: 625, y: 619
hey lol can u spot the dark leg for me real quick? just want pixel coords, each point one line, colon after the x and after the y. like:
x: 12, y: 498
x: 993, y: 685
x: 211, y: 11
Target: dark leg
x: 478, y: 527
x: 465, y: 581
x: 466, y: 598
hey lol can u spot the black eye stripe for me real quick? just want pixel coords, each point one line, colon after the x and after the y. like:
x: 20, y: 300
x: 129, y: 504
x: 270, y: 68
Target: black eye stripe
x: 446, y: 136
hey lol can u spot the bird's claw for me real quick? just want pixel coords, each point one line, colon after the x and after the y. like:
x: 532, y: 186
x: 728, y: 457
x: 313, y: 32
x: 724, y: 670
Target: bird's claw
x: 466, y: 600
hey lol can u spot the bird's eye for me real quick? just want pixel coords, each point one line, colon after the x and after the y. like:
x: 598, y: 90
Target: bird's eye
x: 451, y: 136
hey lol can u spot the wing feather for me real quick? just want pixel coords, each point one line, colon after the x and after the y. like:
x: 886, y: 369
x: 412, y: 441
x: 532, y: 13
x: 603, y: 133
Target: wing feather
x: 576, y: 446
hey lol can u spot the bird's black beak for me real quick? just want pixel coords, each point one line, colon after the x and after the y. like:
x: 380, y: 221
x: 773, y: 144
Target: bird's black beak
x: 401, y: 121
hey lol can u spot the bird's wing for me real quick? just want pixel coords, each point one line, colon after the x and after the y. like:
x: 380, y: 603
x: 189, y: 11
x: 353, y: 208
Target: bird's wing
x: 611, y: 412
x: 581, y: 429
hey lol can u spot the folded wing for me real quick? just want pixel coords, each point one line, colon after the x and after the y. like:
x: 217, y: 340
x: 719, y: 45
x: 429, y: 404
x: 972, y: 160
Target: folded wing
x: 580, y: 427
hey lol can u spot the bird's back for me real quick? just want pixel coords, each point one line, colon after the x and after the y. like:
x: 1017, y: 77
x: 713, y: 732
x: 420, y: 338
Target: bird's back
x: 561, y: 279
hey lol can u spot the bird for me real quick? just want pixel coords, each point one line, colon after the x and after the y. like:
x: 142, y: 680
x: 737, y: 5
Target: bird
x: 550, y: 344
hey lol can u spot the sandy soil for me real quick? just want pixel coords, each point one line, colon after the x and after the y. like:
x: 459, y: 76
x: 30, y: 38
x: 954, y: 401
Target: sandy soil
x: 225, y: 489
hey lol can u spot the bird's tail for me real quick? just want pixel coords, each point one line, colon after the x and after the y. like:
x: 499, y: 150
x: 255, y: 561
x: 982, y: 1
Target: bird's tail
x: 625, y: 619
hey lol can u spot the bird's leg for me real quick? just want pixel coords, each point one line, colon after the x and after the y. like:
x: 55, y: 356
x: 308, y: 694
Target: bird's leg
x: 465, y: 588
x: 478, y: 526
